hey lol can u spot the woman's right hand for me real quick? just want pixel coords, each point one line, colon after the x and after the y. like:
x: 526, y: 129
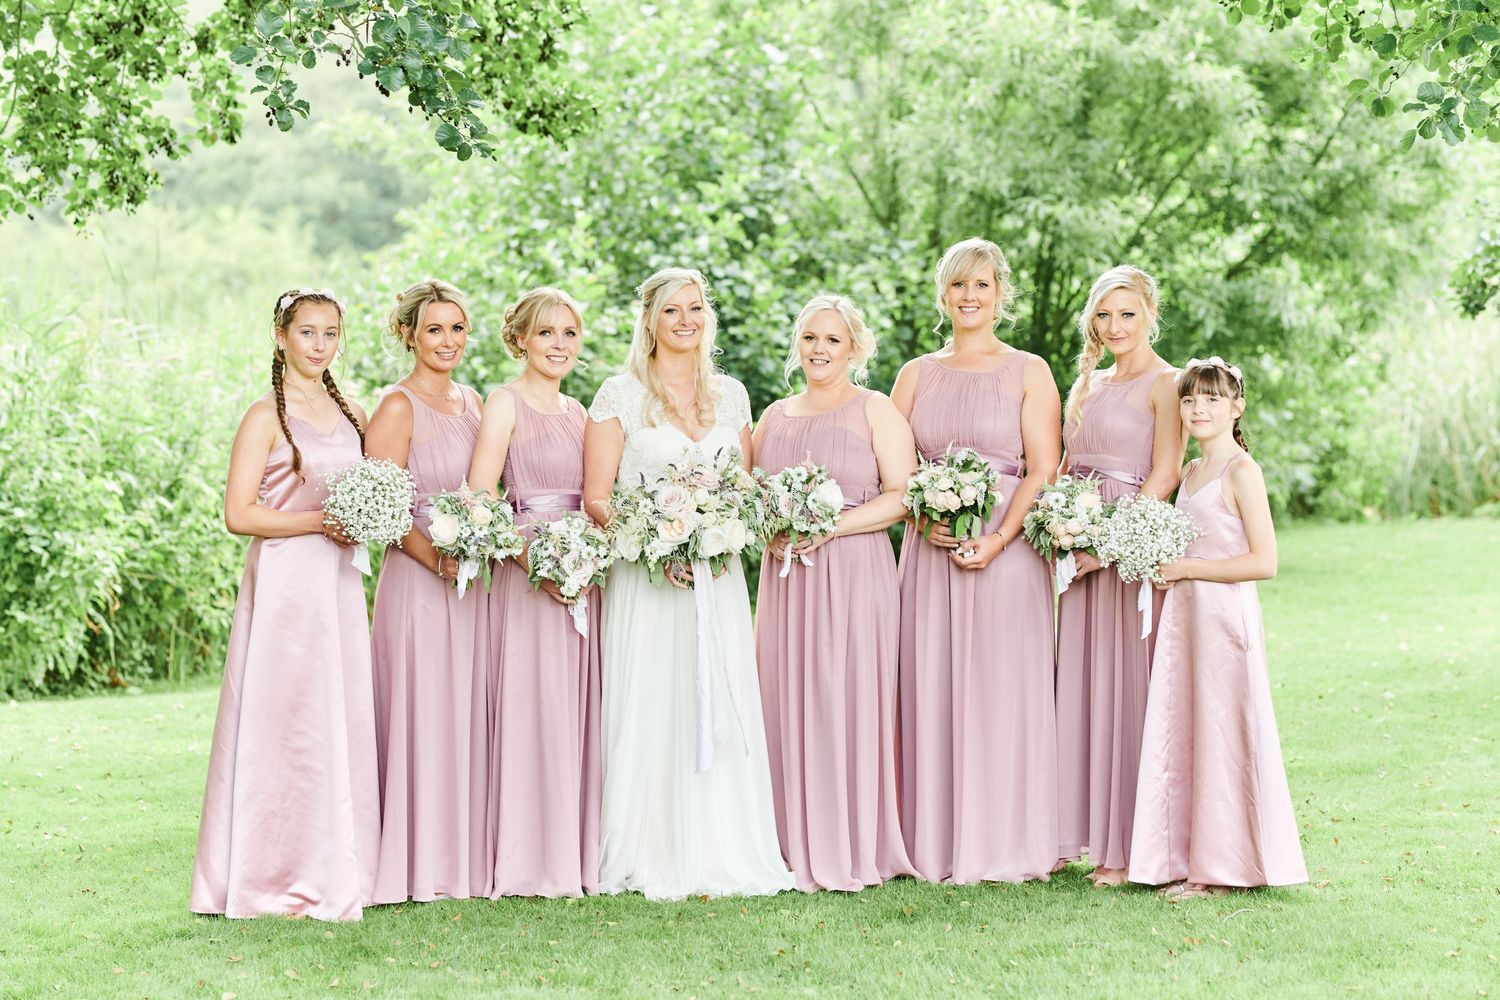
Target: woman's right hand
x: 553, y: 591
x: 776, y: 547
x: 333, y: 530
x: 1086, y: 562
x: 680, y: 574
x: 941, y: 534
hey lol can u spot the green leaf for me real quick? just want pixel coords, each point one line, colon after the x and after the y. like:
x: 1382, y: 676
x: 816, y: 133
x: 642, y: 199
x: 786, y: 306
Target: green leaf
x: 1384, y: 45
x: 447, y: 136
x: 1429, y: 92
x: 392, y: 78
x: 243, y: 55
x: 1486, y: 32
x: 309, y: 59
x: 1477, y: 114
x: 1382, y: 107
x: 265, y: 74
x: 1408, y: 138
x: 268, y: 22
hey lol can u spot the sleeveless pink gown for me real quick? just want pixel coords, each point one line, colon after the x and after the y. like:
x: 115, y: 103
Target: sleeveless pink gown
x: 1213, y: 804
x: 826, y: 638
x: 978, y: 730
x: 1103, y: 665
x: 291, y: 813
x: 429, y: 650
x: 543, y: 823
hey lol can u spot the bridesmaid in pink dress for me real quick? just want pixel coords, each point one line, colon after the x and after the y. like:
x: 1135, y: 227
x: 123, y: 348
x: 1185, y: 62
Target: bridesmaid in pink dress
x: 542, y: 827
x: 1213, y: 810
x: 1123, y: 429
x: 428, y: 644
x: 291, y: 814
x: 826, y: 635
x: 978, y: 728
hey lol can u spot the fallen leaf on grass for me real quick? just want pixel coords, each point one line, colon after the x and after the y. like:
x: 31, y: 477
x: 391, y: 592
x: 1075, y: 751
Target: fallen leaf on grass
x: 292, y: 974
x: 234, y: 958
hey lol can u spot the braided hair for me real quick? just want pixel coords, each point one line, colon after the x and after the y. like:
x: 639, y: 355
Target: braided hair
x: 1122, y: 276
x: 286, y: 309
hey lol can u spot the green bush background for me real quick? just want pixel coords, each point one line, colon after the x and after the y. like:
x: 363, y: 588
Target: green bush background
x: 785, y: 149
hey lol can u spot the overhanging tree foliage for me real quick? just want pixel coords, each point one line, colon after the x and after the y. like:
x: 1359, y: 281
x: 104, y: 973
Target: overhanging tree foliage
x: 80, y: 82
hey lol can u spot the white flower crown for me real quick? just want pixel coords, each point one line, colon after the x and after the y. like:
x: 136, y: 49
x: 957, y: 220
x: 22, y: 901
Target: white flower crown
x: 1215, y: 362
x: 293, y: 296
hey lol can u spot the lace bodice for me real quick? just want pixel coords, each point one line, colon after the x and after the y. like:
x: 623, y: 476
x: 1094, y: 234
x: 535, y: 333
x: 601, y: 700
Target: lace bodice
x: 649, y: 450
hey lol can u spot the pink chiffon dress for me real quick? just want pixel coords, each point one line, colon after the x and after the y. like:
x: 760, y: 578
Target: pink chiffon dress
x: 430, y: 650
x: 543, y: 823
x: 291, y: 812
x: 1103, y: 664
x: 1213, y: 805
x: 826, y: 638
x: 978, y: 727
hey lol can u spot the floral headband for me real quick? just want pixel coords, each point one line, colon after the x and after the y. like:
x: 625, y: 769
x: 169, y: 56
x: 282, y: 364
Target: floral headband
x: 1215, y: 362
x: 293, y: 296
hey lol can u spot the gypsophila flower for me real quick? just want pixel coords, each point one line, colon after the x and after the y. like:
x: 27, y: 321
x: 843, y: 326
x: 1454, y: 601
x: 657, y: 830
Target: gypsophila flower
x: 1142, y: 534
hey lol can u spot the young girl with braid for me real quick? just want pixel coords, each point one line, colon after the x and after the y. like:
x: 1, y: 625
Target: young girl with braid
x: 291, y: 818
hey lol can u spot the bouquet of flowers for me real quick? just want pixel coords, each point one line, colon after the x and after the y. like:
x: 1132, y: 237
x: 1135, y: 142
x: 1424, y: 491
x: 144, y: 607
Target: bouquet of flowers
x: 574, y: 553
x: 1066, y: 516
x: 695, y: 513
x: 474, y: 528
x: 372, y: 499
x: 802, y: 501
x: 1139, y: 537
x: 959, y: 487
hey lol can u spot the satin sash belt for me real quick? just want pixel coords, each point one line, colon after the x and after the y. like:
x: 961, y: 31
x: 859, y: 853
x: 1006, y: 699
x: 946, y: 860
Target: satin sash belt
x: 1128, y: 478
x: 549, y: 503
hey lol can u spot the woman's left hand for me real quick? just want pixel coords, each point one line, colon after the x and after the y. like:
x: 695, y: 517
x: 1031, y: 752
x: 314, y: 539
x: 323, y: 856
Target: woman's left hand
x: 807, y: 546
x: 976, y: 553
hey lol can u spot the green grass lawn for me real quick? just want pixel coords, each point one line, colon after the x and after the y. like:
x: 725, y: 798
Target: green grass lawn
x: 1383, y: 659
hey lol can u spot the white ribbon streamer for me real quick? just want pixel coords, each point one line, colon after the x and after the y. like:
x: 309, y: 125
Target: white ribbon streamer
x: 1067, y: 571
x: 1143, y: 605
x: 711, y: 671
x: 579, y: 610
x: 786, y: 560
x: 360, y: 559
x: 468, y: 569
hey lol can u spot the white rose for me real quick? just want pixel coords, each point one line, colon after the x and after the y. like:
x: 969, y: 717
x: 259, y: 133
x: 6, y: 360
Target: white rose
x: 702, y: 498
x: 673, y: 501
x: 943, y: 483
x: 1054, y: 529
x: 948, y: 500
x: 443, y: 529
x: 703, y: 478
x: 968, y: 495
x: 1089, y: 501
x: 674, y: 531
x: 708, y: 518
x: 628, y: 546
x: 1074, y: 527
x: 481, y: 514
x: 713, y: 542
x: 1065, y: 541
x: 738, y: 536
x: 828, y: 491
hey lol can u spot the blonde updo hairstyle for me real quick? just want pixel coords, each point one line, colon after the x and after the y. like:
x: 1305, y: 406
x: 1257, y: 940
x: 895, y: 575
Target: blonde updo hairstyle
x: 651, y: 298
x: 1120, y: 276
x: 411, y: 309
x: 864, y: 346
x: 965, y: 257
x: 524, y: 316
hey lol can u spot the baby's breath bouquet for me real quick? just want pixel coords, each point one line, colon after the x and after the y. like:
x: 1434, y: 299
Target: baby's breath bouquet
x: 703, y: 512
x: 475, y: 529
x: 372, y: 499
x: 1139, y: 537
x: 574, y: 553
x: 802, y: 501
x: 958, y: 487
x: 1066, y: 516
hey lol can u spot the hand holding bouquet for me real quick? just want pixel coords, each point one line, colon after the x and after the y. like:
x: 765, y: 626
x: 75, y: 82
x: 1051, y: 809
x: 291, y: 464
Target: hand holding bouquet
x: 802, y: 502
x: 958, y: 488
x: 372, y: 499
x: 1066, y: 516
x: 1141, y: 536
x: 474, y: 528
x: 573, y: 554
x: 695, y: 513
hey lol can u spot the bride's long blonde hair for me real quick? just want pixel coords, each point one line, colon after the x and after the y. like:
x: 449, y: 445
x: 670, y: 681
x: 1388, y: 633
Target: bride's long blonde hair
x: 651, y: 298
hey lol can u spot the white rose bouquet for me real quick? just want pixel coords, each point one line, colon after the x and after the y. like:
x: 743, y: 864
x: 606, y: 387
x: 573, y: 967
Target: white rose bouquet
x: 703, y: 512
x: 1141, y: 535
x: 372, y: 499
x: 958, y: 488
x: 1066, y: 516
x: 475, y: 529
x: 574, y: 553
x: 802, y: 501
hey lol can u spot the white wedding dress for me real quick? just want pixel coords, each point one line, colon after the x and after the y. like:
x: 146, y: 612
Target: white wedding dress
x: 668, y: 829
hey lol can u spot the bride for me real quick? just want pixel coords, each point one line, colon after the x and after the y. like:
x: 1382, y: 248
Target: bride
x: 679, y: 818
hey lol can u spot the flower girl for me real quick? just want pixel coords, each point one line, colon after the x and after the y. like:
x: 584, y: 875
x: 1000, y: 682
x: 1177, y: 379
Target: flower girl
x: 1213, y: 810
